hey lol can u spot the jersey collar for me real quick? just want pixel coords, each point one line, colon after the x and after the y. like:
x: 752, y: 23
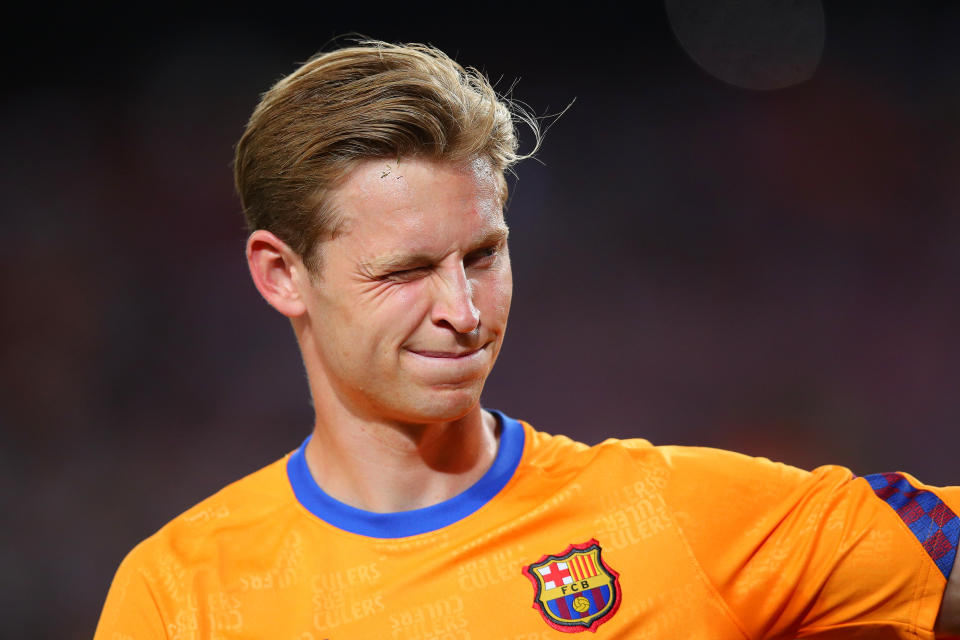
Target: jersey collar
x: 401, y: 524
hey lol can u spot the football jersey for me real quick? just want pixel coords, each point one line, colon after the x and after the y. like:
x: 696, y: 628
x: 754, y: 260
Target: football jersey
x: 622, y: 539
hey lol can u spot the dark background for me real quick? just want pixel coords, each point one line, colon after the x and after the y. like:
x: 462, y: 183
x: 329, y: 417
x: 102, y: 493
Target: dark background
x: 772, y: 271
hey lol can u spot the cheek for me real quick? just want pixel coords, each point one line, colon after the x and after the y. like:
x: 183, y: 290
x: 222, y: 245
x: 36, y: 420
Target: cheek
x: 495, y: 294
x: 396, y: 314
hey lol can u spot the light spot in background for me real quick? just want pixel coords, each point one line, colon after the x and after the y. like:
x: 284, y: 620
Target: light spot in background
x: 752, y: 44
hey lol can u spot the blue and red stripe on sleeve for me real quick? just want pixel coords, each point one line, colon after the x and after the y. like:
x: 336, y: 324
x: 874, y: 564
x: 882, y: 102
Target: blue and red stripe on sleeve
x: 928, y: 517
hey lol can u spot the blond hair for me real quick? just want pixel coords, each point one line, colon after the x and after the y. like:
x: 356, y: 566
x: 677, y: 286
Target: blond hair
x: 366, y: 101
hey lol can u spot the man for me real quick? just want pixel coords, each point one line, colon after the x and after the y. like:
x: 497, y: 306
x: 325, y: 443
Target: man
x: 372, y: 180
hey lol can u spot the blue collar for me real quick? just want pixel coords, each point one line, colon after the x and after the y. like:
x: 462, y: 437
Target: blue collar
x: 401, y: 524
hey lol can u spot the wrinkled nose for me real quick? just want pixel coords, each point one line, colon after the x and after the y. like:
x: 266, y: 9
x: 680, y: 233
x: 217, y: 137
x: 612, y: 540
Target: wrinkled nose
x: 454, y: 302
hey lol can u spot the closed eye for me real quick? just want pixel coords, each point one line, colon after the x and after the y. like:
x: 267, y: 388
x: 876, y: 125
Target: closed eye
x: 406, y: 275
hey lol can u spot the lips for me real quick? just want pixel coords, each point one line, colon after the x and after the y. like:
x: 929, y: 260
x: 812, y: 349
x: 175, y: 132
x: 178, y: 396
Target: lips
x: 453, y: 355
x: 446, y: 368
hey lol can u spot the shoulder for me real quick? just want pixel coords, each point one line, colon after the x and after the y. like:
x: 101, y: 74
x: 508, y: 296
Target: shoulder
x: 736, y: 471
x: 239, y: 512
x: 555, y: 452
x: 612, y: 462
x: 207, y: 548
x: 673, y: 464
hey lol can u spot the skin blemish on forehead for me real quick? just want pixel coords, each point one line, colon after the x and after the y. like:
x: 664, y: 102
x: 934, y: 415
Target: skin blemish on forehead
x: 479, y: 167
x: 387, y: 170
x: 372, y: 178
x: 406, y: 224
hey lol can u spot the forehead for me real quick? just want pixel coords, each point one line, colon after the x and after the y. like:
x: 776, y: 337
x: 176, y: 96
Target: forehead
x: 418, y: 194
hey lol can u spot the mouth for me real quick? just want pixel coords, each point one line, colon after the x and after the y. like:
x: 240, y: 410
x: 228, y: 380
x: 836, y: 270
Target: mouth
x: 453, y: 368
x: 450, y: 355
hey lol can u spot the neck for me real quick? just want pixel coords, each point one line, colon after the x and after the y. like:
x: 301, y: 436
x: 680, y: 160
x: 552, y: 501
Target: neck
x: 390, y: 466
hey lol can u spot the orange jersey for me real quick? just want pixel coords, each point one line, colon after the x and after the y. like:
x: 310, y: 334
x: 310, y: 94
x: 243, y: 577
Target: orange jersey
x: 623, y: 539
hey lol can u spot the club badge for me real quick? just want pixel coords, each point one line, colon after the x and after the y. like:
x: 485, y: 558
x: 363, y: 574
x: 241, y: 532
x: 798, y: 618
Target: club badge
x: 575, y: 590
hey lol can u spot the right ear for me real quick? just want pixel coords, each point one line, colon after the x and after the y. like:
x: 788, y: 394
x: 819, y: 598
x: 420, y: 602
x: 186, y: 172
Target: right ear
x: 273, y: 266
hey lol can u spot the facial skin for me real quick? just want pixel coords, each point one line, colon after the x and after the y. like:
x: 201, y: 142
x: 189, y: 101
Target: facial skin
x: 407, y: 316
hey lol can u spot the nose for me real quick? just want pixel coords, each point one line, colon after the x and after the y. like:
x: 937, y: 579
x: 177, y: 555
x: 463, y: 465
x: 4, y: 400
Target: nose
x: 453, y: 305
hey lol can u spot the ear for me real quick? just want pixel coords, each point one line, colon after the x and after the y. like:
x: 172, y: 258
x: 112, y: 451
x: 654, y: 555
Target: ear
x: 274, y: 268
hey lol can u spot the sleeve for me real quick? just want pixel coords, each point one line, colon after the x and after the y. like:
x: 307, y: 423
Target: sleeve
x: 819, y: 554
x: 131, y: 611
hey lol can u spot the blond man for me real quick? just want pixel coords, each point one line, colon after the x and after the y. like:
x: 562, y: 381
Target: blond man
x: 372, y: 179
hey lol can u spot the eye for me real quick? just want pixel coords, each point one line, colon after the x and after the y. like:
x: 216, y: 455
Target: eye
x: 406, y: 275
x: 482, y: 257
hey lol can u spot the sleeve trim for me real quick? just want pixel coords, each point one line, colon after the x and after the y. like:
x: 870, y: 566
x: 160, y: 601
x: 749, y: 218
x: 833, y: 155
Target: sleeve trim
x: 928, y: 517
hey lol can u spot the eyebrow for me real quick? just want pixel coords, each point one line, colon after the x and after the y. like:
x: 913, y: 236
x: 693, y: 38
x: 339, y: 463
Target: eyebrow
x: 400, y: 261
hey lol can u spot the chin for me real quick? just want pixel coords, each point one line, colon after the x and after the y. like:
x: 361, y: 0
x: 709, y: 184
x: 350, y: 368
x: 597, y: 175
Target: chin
x: 443, y: 405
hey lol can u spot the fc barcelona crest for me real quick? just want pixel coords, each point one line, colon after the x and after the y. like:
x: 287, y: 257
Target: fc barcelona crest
x: 575, y: 590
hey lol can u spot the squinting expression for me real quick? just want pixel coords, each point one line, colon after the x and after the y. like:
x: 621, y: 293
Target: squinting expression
x: 411, y: 305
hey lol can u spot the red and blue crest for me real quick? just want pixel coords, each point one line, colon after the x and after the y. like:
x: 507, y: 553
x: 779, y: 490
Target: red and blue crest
x: 575, y: 590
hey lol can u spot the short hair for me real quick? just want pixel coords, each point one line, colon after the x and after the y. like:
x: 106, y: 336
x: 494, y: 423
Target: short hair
x: 372, y: 100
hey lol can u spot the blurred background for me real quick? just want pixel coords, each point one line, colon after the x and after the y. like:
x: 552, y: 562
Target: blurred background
x: 744, y: 233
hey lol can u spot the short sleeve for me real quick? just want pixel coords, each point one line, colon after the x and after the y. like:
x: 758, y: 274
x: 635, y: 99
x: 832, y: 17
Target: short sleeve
x: 130, y: 611
x: 818, y: 554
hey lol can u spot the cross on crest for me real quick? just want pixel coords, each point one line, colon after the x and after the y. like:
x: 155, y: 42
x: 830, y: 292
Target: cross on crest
x: 575, y: 590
